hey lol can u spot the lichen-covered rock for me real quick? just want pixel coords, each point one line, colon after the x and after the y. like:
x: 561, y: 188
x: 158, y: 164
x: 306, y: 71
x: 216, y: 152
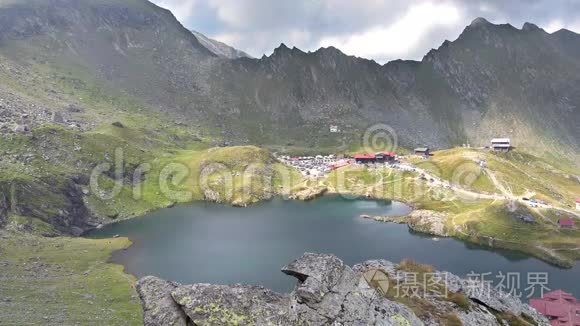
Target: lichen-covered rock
x: 316, y: 274
x: 159, y: 308
x: 487, y: 297
x: 327, y: 292
x: 484, y: 300
x: 207, y: 304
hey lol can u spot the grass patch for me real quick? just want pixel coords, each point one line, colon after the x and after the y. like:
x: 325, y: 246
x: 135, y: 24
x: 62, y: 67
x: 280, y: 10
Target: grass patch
x: 64, y: 281
x: 460, y: 167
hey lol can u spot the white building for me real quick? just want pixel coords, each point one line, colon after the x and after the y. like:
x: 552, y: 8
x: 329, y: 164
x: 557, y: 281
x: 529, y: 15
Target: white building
x: 334, y: 129
x: 501, y: 144
x: 578, y: 204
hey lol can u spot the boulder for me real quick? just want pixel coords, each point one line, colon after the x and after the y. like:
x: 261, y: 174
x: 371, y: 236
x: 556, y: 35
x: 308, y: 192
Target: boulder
x: 159, y: 308
x: 57, y: 117
x: 21, y: 128
x: 317, y: 274
x: 207, y: 304
x: 74, y: 108
x: 329, y: 292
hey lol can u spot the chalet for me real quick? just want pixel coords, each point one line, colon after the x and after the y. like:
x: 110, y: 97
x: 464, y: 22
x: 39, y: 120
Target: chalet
x: 381, y: 157
x: 578, y: 204
x: 501, y: 144
x: 567, y: 223
x: 422, y: 151
x: 559, y: 307
x: 384, y: 157
x: 365, y: 158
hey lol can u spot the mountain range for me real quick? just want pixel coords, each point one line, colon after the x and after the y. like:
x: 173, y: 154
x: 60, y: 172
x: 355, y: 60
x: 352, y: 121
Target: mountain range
x: 85, y: 63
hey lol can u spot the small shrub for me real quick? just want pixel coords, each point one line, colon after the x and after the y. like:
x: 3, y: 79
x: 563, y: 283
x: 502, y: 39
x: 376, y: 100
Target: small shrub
x: 451, y: 320
x: 459, y: 299
x: 409, y: 265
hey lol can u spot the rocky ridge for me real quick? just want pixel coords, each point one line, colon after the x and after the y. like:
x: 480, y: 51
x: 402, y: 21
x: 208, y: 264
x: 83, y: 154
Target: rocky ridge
x: 327, y: 292
x: 220, y: 49
x: 492, y: 81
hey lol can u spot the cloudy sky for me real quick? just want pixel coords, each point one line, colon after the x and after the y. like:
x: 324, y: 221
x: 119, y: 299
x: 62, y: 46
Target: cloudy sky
x: 376, y: 29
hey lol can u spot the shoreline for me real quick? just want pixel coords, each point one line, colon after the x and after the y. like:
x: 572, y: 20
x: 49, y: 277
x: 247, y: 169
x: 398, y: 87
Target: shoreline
x: 487, y: 243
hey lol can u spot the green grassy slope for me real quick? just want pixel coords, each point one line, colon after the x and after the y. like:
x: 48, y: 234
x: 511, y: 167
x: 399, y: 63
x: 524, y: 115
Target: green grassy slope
x: 518, y: 172
x: 64, y: 281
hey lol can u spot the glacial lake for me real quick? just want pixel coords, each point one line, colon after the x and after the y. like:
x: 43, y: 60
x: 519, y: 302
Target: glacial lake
x: 219, y: 244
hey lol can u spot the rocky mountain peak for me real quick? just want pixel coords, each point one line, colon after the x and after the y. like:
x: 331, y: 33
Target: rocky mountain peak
x: 566, y: 32
x: 282, y: 48
x: 330, y: 50
x: 480, y: 22
x: 529, y: 27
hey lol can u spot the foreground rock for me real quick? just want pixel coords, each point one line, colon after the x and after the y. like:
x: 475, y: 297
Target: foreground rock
x: 158, y: 305
x: 327, y: 292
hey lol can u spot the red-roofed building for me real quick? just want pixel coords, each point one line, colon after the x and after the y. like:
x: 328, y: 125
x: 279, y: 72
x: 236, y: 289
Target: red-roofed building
x: 365, y: 158
x: 561, y: 308
x: 380, y: 157
x: 566, y: 223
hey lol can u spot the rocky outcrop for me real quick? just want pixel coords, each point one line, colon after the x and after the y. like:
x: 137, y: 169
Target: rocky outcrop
x: 207, y: 304
x: 56, y: 201
x: 327, y: 292
x: 158, y: 305
x: 424, y: 221
x: 310, y: 193
x: 4, y: 208
x: 484, y: 304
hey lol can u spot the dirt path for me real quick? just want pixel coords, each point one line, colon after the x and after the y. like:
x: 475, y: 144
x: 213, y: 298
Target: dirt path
x: 506, y: 193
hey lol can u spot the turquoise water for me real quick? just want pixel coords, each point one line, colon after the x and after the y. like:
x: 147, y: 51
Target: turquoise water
x: 212, y: 243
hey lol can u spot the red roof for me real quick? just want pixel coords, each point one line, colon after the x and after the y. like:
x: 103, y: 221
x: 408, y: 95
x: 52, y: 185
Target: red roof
x: 566, y: 222
x: 560, y: 307
x: 364, y: 156
x: 578, y: 200
x: 389, y: 154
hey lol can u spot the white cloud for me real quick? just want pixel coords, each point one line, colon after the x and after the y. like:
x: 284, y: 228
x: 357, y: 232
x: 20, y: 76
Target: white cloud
x: 554, y: 26
x: 558, y: 24
x: 182, y: 9
x: 402, y: 36
x: 375, y: 29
